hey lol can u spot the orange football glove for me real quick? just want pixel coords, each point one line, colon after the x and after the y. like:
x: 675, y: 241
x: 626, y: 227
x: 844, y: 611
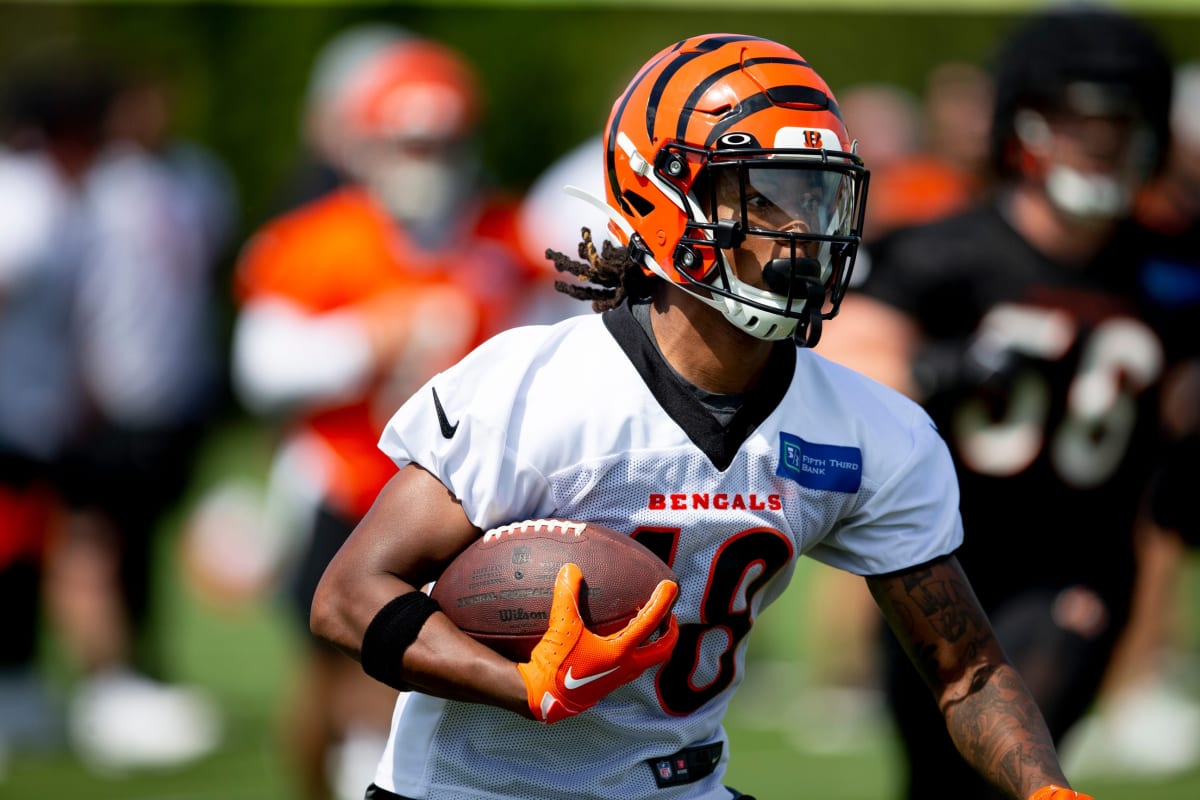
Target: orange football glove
x: 571, y: 668
x: 1053, y: 792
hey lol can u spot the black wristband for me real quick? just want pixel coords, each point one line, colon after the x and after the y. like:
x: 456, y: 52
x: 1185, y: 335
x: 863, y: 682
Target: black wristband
x: 390, y: 633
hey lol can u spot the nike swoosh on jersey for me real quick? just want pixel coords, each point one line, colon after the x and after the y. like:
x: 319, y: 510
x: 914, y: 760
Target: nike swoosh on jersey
x: 448, y: 430
x: 571, y: 682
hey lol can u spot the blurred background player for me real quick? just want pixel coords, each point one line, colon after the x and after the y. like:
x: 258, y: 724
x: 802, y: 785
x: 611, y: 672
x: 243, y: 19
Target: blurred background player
x: 150, y: 356
x: 930, y: 149
x: 53, y: 126
x: 235, y: 538
x: 957, y: 101
x: 348, y: 304
x: 113, y: 365
x: 1145, y: 723
x: 1028, y: 328
x: 322, y: 126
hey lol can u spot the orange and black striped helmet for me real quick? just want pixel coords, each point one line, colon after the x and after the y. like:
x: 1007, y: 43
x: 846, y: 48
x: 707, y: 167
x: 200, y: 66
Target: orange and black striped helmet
x: 748, y: 109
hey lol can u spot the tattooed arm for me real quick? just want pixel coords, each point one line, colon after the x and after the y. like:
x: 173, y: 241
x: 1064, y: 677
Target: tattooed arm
x: 991, y: 716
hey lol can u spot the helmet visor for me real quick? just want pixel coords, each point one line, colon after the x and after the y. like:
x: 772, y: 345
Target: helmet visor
x: 782, y: 227
x: 792, y: 198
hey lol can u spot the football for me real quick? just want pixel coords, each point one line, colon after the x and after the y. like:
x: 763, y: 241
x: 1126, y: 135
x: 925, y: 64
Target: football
x: 499, y: 590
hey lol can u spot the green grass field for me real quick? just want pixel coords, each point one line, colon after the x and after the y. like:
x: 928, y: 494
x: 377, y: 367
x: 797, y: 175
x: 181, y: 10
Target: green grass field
x: 244, y: 655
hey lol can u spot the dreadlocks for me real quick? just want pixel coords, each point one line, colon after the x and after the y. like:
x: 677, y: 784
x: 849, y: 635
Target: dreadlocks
x: 612, y: 274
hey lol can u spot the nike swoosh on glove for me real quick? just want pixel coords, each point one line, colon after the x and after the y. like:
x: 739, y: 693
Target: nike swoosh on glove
x: 1053, y: 792
x: 571, y: 668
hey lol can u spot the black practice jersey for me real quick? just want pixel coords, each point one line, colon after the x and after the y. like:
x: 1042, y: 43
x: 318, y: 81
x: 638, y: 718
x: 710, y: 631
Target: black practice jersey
x: 1053, y: 416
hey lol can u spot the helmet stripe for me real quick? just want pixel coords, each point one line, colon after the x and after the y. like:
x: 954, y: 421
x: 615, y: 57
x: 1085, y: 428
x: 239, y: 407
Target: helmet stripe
x: 785, y: 94
x: 703, y: 48
x: 610, y: 157
x: 678, y: 61
x: 703, y: 86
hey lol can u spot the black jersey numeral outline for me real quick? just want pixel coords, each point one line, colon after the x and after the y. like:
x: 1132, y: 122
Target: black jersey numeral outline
x: 1084, y: 440
x: 726, y: 611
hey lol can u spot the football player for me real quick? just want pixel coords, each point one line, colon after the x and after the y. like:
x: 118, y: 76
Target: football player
x: 1042, y: 330
x: 347, y: 305
x: 693, y: 415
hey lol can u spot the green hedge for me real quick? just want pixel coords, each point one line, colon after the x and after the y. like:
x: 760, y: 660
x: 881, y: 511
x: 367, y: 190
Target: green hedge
x: 550, y: 74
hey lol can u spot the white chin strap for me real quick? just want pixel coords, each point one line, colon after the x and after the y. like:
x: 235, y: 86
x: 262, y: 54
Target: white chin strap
x: 756, y: 322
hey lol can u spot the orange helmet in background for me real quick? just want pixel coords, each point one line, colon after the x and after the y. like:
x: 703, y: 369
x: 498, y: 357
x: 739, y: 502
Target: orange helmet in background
x: 411, y: 113
x: 414, y: 89
x: 732, y: 105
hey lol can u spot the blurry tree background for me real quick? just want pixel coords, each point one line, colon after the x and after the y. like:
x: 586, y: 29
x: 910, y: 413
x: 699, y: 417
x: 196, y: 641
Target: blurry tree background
x: 550, y: 70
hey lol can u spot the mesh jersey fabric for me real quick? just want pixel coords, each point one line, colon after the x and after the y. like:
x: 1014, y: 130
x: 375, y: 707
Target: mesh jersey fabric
x: 580, y: 421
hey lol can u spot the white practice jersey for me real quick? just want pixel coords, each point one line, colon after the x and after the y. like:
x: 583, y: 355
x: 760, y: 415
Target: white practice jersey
x: 584, y: 420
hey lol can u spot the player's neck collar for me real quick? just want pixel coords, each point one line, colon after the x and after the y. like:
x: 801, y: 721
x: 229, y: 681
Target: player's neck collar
x: 678, y: 398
